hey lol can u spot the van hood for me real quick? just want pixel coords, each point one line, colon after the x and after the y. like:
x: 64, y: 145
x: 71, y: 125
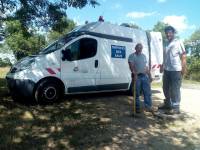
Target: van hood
x: 24, y: 63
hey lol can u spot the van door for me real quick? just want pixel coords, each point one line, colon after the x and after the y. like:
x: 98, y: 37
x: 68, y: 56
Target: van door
x: 79, y: 65
x: 115, y: 73
x: 156, y: 55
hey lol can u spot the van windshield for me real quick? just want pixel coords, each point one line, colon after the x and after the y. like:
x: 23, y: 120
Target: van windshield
x: 56, y: 45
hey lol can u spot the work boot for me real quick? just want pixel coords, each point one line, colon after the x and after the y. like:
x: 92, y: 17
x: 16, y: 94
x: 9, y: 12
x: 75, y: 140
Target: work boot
x: 173, y: 111
x: 164, y: 107
x: 150, y: 109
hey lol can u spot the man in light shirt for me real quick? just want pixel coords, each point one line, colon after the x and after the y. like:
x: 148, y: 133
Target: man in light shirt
x: 141, y: 77
x: 174, y: 67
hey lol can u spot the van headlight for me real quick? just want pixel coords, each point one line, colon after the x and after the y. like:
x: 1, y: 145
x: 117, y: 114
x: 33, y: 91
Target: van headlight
x: 22, y: 65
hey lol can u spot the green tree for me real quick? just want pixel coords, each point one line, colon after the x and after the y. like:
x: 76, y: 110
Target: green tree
x: 195, y: 36
x: 40, y: 13
x: 193, y: 62
x: 193, y: 44
x: 160, y: 27
x: 21, y: 41
x: 61, y: 28
x: 22, y: 17
x: 5, y: 62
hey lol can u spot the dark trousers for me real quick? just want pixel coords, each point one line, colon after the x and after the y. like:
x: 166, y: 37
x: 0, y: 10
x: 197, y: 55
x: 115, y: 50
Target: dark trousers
x: 171, y: 88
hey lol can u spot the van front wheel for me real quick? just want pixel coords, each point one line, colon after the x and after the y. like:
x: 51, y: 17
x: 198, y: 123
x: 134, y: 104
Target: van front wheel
x: 47, y: 92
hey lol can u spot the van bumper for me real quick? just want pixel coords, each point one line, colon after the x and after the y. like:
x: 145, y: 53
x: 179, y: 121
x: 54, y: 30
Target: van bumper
x: 22, y: 87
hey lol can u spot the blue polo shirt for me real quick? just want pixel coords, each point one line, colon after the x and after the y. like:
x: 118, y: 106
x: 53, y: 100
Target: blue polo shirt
x: 139, y: 61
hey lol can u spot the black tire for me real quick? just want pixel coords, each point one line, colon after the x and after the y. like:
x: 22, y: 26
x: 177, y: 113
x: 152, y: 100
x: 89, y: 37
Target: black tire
x: 48, y: 92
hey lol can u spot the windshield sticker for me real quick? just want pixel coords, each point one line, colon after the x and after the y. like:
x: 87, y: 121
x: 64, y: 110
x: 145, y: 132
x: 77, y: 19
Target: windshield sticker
x: 118, y: 51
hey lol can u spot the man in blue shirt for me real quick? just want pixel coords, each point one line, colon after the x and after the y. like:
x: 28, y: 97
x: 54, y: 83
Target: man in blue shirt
x: 139, y: 68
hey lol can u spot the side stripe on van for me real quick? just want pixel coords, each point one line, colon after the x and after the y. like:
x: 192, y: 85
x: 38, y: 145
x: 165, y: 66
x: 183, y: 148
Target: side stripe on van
x: 50, y: 71
x: 53, y: 71
x: 156, y: 66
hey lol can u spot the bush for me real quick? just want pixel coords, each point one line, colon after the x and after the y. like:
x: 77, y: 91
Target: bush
x: 5, y: 62
x: 195, y: 76
x: 193, y: 72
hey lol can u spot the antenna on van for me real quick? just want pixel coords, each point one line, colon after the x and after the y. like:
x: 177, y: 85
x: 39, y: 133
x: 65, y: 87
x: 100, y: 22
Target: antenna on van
x: 101, y: 19
x: 102, y: 15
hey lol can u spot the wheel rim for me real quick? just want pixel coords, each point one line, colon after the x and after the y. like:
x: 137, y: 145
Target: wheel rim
x: 50, y: 93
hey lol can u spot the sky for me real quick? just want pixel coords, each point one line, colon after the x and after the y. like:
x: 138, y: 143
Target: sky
x: 184, y: 15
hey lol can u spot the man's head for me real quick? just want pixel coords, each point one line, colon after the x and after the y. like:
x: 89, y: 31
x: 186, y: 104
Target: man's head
x: 170, y: 32
x: 138, y: 48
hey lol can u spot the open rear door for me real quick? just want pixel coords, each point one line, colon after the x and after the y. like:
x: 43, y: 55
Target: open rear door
x: 156, y: 44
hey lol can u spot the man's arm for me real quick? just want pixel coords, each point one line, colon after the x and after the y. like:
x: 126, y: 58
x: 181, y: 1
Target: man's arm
x: 183, y: 58
x: 147, y: 69
x: 183, y: 63
x: 148, y: 72
x: 133, y: 71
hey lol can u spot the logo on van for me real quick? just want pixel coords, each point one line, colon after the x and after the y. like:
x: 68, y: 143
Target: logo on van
x: 118, y: 51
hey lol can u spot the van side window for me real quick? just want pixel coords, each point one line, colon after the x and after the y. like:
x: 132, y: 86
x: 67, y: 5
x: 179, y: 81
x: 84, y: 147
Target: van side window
x: 83, y: 48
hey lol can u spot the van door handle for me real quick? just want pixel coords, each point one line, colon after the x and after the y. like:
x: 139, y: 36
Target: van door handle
x: 75, y: 69
x: 96, y: 63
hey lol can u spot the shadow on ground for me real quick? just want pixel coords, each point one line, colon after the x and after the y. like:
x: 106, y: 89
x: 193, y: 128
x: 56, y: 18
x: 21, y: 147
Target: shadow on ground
x: 90, y: 121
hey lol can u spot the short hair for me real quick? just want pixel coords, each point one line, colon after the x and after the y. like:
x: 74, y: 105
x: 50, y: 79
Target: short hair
x: 137, y: 45
x: 170, y: 28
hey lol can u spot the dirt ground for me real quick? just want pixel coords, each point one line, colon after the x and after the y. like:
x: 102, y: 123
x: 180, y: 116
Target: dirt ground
x: 99, y: 121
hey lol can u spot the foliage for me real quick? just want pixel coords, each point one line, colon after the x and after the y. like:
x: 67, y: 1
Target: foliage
x: 195, y: 50
x: 21, y: 41
x: 39, y: 13
x: 193, y: 65
x: 5, y: 62
x: 60, y: 29
x: 24, y: 42
x: 160, y: 27
x: 193, y: 44
x: 23, y: 17
x: 4, y: 48
x: 193, y: 62
x: 195, y: 36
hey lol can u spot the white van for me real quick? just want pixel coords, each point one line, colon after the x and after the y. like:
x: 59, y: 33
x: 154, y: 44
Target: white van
x: 91, y: 58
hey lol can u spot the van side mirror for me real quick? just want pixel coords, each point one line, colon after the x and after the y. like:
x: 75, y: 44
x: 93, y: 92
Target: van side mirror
x: 66, y: 55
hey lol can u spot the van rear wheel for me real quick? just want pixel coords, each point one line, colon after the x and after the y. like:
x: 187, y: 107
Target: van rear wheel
x: 48, y: 92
